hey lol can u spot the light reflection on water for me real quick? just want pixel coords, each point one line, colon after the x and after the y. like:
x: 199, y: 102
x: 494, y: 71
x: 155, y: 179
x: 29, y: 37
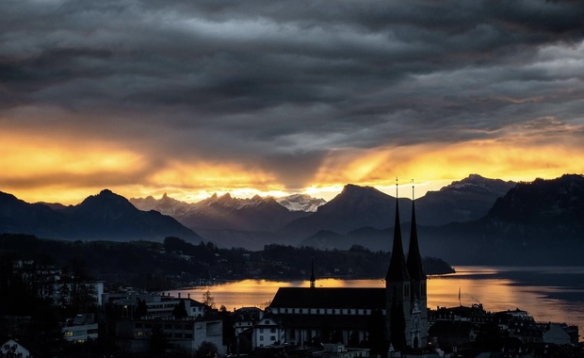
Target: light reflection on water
x: 553, y: 294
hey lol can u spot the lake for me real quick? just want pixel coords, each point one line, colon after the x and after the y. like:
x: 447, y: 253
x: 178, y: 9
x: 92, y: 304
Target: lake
x: 549, y: 294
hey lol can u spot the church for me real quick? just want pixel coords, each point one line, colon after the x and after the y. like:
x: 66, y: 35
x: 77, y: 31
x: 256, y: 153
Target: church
x: 353, y: 315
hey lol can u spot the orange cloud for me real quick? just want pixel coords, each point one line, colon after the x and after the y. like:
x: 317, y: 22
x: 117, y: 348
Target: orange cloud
x: 40, y: 169
x: 198, y: 180
x: 434, y: 165
x: 68, y: 170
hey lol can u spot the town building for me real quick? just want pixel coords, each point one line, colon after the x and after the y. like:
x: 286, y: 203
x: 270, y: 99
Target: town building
x: 12, y: 348
x: 267, y: 332
x: 135, y: 335
x: 59, y: 285
x: 181, y: 322
x: 80, y: 329
x: 459, y: 328
x: 127, y: 303
x: 245, y: 318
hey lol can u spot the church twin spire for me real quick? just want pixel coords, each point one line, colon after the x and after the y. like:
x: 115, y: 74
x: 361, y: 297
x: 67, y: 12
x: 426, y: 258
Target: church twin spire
x: 399, y: 269
x: 405, y: 284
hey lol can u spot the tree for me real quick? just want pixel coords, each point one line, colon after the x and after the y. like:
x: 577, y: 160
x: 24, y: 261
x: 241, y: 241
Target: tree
x: 84, y: 298
x: 206, y: 350
x: 141, y: 308
x: 179, y: 311
x: 158, y: 342
x: 64, y: 290
x: 208, y: 300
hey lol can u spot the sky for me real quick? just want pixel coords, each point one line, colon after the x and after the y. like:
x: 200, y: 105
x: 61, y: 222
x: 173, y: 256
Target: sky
x: 278, y: 97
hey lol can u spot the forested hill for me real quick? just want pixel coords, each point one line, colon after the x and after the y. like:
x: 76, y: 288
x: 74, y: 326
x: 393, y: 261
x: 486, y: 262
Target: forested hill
x: 174, y: 263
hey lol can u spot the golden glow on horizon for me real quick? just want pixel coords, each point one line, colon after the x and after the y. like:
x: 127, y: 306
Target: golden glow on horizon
x: 31, y: 157
x: 67, y: 171
x: 197, y: 181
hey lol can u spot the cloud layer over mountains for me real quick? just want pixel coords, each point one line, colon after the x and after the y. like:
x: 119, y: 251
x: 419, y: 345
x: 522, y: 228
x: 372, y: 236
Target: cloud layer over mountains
x: 284, y: 95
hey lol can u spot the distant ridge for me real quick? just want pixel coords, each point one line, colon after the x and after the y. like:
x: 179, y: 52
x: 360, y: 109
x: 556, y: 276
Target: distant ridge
x: 357, y: 207
x: 105, y: 216
x: 464, y: 200
x: 544, y: 210
x: 534, y: 223
x: 537, y: 223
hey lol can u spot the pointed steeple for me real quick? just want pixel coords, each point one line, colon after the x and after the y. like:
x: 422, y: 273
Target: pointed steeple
x: 397, y: 270
x: 414, y: 262
x: 312, y: 279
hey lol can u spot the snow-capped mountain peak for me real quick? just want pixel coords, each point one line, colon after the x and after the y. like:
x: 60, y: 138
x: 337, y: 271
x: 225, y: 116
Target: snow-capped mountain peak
x: 301, y: 202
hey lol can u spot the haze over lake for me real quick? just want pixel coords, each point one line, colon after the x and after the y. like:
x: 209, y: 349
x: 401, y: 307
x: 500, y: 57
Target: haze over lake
x: 549, y: 294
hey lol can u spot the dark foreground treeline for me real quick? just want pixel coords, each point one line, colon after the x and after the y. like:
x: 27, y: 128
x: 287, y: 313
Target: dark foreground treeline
x: 175, y: 263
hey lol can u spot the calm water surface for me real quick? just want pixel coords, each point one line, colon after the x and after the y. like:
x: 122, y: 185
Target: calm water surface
x: 553, y: 294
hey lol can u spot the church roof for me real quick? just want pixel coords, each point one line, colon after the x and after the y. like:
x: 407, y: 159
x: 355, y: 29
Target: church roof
x: 414, y: 262
x: 397, y: 270
x: 314, y: 321
x: 350, y: 298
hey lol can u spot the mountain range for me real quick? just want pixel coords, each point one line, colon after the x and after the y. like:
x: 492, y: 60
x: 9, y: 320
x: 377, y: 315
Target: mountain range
x: 225, y: 212
x: 106, y: 216
x: 537, y: 223
x: 358, y: 207
x: 474, y: 220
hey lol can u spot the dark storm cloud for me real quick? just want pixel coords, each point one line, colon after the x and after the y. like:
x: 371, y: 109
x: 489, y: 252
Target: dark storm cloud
x: 278, y: 84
